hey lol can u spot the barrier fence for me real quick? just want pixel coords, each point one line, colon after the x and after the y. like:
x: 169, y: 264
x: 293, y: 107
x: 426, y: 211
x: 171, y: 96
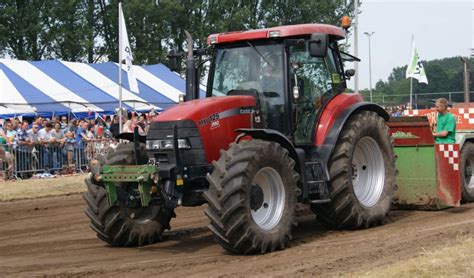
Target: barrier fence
x: 420, y: 100
x: 24, y: 161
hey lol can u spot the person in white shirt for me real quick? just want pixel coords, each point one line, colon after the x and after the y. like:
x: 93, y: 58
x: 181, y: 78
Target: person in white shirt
x: 45, y: 137
x: 57, y: 147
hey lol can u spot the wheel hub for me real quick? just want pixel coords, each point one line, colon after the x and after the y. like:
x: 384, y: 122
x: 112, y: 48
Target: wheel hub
x: 355, y: 173
x: 368, y: 171
x: 256, y: 197
x: 267, y: 200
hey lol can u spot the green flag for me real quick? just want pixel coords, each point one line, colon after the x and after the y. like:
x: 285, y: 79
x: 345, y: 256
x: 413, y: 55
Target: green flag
x: 415, y: 68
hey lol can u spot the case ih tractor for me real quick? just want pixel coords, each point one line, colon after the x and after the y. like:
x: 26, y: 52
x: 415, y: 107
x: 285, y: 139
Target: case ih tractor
x: 274, y: 129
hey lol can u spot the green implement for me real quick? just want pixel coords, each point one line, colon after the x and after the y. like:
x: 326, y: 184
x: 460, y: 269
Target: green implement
x: 428, y: 173
x: 113, y: 174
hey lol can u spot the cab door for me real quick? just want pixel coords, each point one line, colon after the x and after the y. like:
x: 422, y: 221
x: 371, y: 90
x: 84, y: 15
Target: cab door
x: 316, y: 79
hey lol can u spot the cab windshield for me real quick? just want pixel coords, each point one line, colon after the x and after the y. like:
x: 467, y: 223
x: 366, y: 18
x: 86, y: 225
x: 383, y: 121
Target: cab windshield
x: 250, y: 66
x: 254, y: 68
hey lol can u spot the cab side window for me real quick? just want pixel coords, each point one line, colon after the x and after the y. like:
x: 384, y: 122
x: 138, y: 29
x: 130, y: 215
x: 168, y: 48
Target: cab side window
x: 313, y: 77
x: 334, y: 67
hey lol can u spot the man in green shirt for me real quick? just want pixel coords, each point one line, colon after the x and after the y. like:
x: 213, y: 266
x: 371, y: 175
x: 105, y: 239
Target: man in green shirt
x: 446, y: 124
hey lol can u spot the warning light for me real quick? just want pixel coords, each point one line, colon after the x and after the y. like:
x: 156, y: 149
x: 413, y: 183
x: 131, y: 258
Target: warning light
x: 345, y: 22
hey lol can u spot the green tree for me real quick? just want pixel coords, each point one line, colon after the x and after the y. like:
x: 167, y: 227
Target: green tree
x: 87, y: 30
x: 444, y: 75
x: 25, y: 28
x: 70, y: 31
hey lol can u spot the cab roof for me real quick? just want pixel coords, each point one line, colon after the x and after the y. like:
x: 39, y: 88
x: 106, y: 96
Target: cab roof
x: 276, y: 32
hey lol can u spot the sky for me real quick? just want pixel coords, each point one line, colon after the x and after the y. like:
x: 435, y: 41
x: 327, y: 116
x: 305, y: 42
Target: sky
x: 441, y: 29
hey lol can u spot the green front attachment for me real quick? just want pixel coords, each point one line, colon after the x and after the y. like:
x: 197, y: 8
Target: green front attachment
x: 140, y: 174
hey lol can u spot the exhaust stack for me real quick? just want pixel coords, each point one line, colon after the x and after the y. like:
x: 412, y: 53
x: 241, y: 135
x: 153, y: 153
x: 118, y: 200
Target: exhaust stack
x: 192, y: 80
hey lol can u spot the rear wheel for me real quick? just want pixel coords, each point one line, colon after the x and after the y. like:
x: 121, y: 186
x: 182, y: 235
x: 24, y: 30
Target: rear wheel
x: 467, y: 167
x: 362, y: 175
x: 252, y: 197
x: 122, y: 224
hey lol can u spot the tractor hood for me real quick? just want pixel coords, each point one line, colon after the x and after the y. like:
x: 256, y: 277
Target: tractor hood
x: 204, y: 109
x: 216, y: 120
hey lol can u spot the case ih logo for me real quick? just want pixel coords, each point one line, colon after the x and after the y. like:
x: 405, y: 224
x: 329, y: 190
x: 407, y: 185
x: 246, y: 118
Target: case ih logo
x: 245, y: 110
x: 215, y: 124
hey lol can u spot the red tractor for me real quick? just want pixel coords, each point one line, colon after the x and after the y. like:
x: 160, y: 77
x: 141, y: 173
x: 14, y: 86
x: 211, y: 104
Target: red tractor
x: 275, y: 129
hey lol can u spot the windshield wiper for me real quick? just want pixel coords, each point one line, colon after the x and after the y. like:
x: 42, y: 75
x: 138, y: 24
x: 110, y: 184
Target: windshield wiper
x: 258, y: 52
x: 346, y: 57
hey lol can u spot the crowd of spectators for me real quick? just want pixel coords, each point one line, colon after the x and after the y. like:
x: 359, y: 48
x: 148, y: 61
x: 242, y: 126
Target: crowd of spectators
x: 58, y: 145
x: 395, y: 111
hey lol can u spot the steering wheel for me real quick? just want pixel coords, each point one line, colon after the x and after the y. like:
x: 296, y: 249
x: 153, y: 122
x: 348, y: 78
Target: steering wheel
x: 271, y: 94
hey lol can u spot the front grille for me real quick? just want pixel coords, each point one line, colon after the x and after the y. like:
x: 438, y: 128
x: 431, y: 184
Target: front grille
x: 186, y: 129
x: 161, y: 158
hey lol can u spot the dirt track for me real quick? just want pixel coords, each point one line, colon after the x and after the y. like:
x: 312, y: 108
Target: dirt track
x: 51, y: 237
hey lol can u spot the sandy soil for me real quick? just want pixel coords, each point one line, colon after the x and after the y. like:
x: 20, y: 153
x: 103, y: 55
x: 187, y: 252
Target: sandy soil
x: 50, y: 236
x: 36, y: 188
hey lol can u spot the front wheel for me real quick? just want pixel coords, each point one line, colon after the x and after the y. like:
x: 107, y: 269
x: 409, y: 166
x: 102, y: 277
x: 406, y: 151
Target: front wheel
x: 252, y: 197
x: 362, y: 175
x: 121, y: 224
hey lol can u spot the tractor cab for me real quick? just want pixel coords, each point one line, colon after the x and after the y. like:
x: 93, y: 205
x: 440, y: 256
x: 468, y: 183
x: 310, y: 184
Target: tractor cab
x: 292, y: 71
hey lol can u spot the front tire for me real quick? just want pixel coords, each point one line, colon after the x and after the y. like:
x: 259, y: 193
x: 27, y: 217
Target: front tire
x: 362, y: 175
x: 467, y: 167
x: 252, y: 197
x: 119, y: 225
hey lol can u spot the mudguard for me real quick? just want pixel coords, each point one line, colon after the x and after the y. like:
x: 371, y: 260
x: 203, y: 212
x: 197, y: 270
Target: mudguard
x: 324, y: 151
x: 273, y: 135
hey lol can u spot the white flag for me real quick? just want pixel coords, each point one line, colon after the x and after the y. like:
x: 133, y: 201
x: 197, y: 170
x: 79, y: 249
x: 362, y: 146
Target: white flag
x: 415, y: 68
x: 126, y: 52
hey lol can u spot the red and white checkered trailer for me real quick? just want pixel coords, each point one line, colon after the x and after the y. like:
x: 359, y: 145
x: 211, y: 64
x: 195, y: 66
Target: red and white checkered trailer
x: 433, y: 176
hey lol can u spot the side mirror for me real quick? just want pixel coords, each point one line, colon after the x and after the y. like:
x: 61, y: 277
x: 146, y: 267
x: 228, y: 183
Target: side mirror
x: 349, y: 73
x: 296, y: 90
x: 173, y: 60
x: 318, y: 45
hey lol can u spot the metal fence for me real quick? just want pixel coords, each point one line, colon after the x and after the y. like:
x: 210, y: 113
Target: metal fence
x: 5, y: 162
x: 24, y: 161
x: 425, y: 100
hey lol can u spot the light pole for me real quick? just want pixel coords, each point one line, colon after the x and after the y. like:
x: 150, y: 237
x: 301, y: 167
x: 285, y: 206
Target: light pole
x: 466, y: 80
x: 370, y: 64
x: 356, y: 45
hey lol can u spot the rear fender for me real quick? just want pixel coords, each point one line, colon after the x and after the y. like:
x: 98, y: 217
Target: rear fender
x: 325, y: 150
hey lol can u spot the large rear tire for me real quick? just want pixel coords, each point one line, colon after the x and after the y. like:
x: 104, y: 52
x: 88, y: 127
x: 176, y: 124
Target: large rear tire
x: 119, y: 225
x: 362, y: 175
x: 467, y: 167
x: 252, y: 197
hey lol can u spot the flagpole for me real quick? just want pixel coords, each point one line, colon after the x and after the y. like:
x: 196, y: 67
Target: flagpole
x: 120, y: 67
x: 411, y: 93
x: 411, y: 78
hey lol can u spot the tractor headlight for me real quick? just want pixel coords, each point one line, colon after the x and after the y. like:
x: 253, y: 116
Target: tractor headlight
x: 167, y: 144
